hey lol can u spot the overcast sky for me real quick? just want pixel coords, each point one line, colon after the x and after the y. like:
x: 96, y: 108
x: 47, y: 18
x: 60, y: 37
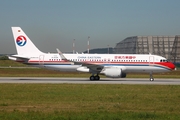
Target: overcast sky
x: 52, y: 24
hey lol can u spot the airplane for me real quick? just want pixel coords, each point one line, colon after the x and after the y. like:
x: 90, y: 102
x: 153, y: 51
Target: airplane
x: 110, y: 65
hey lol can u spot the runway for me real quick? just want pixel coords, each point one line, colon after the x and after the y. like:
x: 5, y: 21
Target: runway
x: 52, y: 80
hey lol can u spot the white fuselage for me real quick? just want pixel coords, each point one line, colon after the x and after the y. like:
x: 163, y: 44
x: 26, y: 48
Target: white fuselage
x: 127, y: 62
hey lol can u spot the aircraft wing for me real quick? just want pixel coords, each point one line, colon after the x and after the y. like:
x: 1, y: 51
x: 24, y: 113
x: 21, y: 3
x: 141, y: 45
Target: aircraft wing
x: 91, y: 66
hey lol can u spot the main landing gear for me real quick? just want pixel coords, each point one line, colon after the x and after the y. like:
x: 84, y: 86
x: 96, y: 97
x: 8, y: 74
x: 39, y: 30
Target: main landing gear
x: 92, y: 77
x: 151, y: 77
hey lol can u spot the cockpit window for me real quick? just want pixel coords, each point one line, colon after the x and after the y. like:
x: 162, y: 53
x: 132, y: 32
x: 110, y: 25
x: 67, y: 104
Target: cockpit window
x: 163, y: 60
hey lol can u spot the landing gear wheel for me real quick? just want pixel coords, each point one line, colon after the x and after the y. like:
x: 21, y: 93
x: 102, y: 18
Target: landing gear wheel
x: 97, y: 77
x: 151, y: 79
x: 92, y: 78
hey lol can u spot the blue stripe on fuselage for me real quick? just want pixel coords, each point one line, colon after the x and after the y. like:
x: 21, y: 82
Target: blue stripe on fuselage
x: 57, y: 64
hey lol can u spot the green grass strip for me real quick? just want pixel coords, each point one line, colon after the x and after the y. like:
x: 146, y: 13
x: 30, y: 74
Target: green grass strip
x: 96, y: 101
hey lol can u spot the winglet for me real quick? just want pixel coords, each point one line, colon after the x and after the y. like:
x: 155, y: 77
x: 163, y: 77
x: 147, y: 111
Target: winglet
x: 61, y: 54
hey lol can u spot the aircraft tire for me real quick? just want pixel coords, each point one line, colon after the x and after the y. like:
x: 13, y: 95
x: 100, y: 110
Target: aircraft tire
x: 151, y: 79
x: 92, y: 78
x: 97, y: 77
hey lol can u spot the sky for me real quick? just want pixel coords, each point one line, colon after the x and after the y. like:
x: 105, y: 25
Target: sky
x: 52, y: 24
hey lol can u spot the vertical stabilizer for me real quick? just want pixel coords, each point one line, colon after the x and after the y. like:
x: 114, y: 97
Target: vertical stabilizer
x: 23, y: 44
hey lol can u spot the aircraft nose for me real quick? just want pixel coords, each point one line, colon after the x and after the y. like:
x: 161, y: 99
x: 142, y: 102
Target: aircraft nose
x: 172, y: 66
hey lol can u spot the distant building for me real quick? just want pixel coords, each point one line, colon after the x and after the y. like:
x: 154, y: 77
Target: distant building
x: 166, y: 46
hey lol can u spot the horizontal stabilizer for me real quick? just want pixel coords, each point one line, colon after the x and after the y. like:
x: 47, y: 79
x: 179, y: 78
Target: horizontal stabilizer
x: 19, y: 56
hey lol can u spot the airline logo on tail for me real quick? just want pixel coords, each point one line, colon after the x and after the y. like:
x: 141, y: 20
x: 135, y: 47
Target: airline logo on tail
x: 21, y: 40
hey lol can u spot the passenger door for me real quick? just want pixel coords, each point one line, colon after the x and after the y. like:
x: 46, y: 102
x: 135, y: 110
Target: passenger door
x: 41, y: 59
x: 151, y: 60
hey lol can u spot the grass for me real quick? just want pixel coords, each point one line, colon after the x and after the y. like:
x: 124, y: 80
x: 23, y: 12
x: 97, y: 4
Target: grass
x: 79, y: 101
x: 8, y: 63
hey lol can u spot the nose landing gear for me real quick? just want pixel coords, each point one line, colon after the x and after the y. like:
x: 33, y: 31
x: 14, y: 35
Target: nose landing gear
x: 151, y: 77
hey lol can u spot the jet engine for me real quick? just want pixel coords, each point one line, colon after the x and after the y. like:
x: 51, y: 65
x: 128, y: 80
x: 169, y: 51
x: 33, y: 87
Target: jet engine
x: 114, y: 72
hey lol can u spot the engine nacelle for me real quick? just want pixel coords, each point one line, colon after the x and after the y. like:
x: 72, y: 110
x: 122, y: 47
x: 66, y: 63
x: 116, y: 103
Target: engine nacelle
x: 83, y: 69
x: 114, y: 72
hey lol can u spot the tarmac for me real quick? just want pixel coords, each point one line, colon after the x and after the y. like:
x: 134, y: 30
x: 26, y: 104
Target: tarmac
x: 51, y: 80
